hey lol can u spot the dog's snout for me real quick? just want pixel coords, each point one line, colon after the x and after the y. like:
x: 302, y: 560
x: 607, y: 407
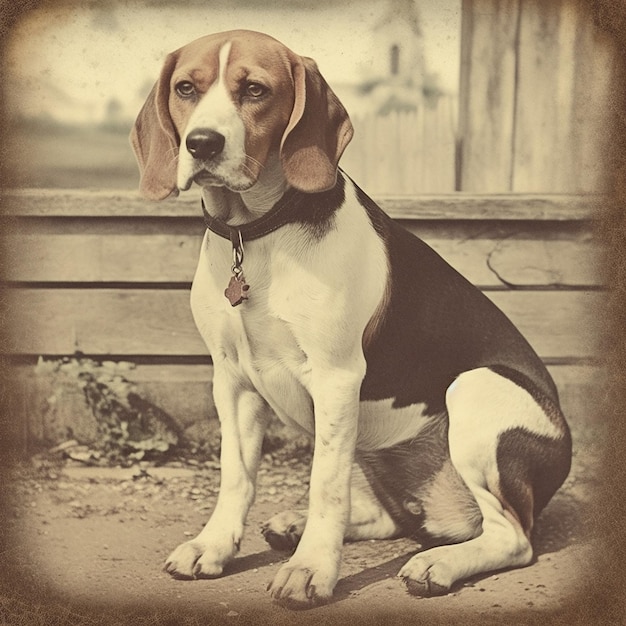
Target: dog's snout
x: 204, y: 143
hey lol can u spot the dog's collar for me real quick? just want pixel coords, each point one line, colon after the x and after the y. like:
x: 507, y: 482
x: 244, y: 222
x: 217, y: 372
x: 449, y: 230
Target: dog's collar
x: 277, y: 217
x: 295, y: 207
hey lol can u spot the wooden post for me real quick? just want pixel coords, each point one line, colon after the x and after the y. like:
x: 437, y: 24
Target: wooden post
x: 564, y: 80
x: 536, y: 81
x: 487, y: 94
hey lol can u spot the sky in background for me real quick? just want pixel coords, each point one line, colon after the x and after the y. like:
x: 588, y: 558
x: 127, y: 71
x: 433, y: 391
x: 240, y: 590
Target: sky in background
x: 69, y: 63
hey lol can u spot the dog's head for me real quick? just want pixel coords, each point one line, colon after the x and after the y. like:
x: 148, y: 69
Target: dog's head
x: 224, y: 103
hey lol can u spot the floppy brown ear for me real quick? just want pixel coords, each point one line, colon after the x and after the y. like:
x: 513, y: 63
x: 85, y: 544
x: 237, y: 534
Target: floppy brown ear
x: 318, y: 131
x: 155, y: 141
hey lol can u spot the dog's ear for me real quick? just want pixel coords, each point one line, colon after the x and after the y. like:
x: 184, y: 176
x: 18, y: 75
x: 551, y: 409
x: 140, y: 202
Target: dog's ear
x: 155, y: 141
x: 318, y: 131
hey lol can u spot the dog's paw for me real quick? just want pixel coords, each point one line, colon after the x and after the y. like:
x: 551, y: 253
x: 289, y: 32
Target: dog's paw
x: 427, y: 575
x: 283, y: 531
x: 298, y: 586
x: 198, y: 559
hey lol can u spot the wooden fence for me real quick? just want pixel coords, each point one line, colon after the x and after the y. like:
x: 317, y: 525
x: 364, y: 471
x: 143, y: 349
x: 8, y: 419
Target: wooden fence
x: 407, y: 152
x: 534, y: 110
x: 537, y: 82
x: 108, y: 275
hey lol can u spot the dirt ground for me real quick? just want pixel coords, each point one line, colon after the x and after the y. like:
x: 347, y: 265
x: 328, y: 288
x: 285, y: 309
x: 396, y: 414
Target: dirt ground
x: 88, y: 546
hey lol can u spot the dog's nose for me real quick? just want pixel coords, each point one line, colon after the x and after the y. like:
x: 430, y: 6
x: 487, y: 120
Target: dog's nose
x: 204, y: 143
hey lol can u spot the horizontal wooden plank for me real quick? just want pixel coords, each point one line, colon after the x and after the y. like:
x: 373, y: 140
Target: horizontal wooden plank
x: 516, y: 257
x: 559, y: 324
x: 453, y: 206
x: 100, y: 257
x: 495, y: 257
x: 581, y: 389
x: 531, y: 263
x: 185, y: 393
x: 466, y: 206
x: 101, y: 321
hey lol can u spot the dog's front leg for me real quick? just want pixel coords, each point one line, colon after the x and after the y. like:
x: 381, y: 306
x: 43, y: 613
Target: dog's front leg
x: 244, y: 416
x: 309, y: 577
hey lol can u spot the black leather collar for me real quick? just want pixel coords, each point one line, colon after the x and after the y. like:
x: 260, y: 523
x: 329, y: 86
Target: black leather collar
x: 314, y: 211
x: 277, y: 217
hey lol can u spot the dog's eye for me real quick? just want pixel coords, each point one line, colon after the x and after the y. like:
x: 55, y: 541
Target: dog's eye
x: 255, y: 90
x: 185, y: 89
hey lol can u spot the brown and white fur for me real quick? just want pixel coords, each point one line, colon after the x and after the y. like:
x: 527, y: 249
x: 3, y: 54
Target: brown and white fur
x: 431, y: 416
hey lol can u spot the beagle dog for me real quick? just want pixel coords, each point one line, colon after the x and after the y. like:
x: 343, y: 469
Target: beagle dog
x: 432, y: 417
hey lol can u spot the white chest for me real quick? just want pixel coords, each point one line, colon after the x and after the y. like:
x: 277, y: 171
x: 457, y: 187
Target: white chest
x: 254, y: 340
x: 308, y: 307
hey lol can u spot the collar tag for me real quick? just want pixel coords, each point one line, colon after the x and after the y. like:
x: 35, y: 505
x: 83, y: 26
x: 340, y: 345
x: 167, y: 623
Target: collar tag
x: 237, y: 290
x: 277, y: 217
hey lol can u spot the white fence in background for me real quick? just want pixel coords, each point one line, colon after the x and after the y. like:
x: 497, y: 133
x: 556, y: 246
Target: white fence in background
x: 405, y: 152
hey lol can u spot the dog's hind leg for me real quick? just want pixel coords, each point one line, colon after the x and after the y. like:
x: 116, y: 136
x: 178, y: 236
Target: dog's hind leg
x: 408, y: 489
x: 368, y: 518
x: 512, y: 449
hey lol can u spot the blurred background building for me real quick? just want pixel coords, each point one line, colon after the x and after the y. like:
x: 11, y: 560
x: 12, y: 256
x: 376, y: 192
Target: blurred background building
x: 445, y: 95
x: 79, y: 75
